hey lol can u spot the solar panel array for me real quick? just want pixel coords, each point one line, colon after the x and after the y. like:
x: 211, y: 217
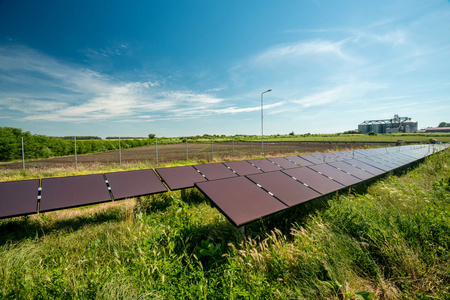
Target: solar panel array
x: 244, y: 191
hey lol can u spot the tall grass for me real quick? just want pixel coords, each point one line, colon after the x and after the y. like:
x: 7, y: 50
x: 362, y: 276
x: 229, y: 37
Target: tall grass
x: 387, y: 240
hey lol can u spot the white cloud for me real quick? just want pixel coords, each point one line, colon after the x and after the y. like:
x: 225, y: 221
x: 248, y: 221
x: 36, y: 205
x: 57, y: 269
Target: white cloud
x: 303, y: 48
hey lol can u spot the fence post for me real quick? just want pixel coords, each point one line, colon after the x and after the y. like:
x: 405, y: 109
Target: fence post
x: 187, y: 157
x: 212, y: 148
x: 120, y: 154
x: 76, y: 162
x: 23, y: 156
x: 251, y: 146
x: 294, y: 145
x: 281, y: 145
x: 156, y: 149
x: 232, y: 140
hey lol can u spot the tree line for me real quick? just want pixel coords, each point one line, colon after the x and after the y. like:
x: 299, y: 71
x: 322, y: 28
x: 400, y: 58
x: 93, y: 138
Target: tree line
x: 41, y: 146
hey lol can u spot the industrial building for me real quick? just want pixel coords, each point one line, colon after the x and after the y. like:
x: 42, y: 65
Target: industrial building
x: 396, y: 124
x: 437, y: 130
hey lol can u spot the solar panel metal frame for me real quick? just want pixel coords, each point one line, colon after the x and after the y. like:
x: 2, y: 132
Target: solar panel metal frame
x: 340, y: 176
x: 240, y: 200
x: 66, y: 192
x: 316, y: 181
x: 288, y: 190
x: 215, y: 171
x: 136, y: 183
x: 284, y: 162
x: 265, y: 165
x: 18, y: 198
x: 242, y: 167
x: 177, y: 178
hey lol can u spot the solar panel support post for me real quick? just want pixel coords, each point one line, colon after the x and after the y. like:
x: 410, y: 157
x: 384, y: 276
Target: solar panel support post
x: 120, y: 154
x: 75, y: 142
x: 242, y: 231
x: 183, y: 194
x: 156, y: 150
x: 23, y: 156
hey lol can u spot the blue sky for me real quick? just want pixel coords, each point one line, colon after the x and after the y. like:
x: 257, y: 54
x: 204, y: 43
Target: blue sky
x: 177, y: 68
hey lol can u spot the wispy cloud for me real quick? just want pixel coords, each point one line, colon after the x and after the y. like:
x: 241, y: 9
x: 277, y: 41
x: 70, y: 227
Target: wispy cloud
x: 303, y: 48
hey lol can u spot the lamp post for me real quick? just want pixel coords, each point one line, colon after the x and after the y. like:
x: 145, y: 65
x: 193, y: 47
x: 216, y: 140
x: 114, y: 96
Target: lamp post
x: 262, y: 126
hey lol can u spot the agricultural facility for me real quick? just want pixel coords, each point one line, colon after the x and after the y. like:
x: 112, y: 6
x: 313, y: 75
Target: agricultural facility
x: 394, y: 125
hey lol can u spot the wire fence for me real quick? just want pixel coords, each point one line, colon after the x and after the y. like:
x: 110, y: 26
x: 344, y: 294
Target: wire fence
x: 156, y: 155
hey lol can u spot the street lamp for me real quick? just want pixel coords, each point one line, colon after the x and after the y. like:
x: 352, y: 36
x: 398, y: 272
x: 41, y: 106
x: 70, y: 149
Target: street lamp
x: 262, y: 126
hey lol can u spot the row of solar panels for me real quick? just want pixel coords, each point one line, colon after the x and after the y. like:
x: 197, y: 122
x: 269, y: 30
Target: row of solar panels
x: 243, y: 191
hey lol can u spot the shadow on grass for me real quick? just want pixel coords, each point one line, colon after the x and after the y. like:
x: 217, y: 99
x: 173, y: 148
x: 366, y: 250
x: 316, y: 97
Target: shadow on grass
x: 19, y: 229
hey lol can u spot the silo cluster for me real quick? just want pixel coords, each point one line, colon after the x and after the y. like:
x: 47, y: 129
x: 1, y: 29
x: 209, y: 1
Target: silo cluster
x: 396, y: 124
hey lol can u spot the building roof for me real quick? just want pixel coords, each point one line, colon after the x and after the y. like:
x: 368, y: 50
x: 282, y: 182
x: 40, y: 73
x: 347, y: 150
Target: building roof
x: 438, y: 129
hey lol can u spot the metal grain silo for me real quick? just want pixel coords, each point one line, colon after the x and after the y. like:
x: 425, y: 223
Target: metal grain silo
x: 364, y: 127
x: 410, y: 125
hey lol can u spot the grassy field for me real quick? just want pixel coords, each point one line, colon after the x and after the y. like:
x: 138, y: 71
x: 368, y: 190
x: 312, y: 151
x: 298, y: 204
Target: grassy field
x: 389, y: 240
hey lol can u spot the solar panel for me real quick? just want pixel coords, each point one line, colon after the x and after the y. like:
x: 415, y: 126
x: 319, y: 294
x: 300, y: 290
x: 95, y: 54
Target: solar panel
x: 134, y: 183
x: 18, y: 198
x: 352, y: 170
x: 66, y: 192
x: 289, y: 191
x: 324, y: 158
x: 337, y: 175
x: 215, y: 171
x: 364, y: 167
x: 373, y: 161
x: 312, y: 159
x: 242, y: 167
x: 318, y: 182
x: 283, y: 162
x: 240, y: 200
x: 178, y: 178
x: 299, y: 161
x: 265, y: 165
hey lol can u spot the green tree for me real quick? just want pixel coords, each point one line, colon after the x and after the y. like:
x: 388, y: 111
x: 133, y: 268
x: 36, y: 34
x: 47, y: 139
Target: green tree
x: 151, y: 136
x: 444, y: 124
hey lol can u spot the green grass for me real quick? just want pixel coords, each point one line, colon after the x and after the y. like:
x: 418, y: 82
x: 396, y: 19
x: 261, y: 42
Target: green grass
x: 389, y: 240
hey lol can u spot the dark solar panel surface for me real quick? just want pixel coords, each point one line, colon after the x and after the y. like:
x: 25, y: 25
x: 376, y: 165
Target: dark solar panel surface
x: 18, y: 198
x: 134, y: 183
x: 283, y: 162
x: 289, y: 191
x: 337, y: 175
x: 242, y: 167
x: 365, y: 167
x: 320, y: 183
x: 240, y: 200
x: 299, y: 161
x: 352, y: 170
x: 180, y: 177
x: 215, y: 171
x: 65, y: 192
x: 265, y: 165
